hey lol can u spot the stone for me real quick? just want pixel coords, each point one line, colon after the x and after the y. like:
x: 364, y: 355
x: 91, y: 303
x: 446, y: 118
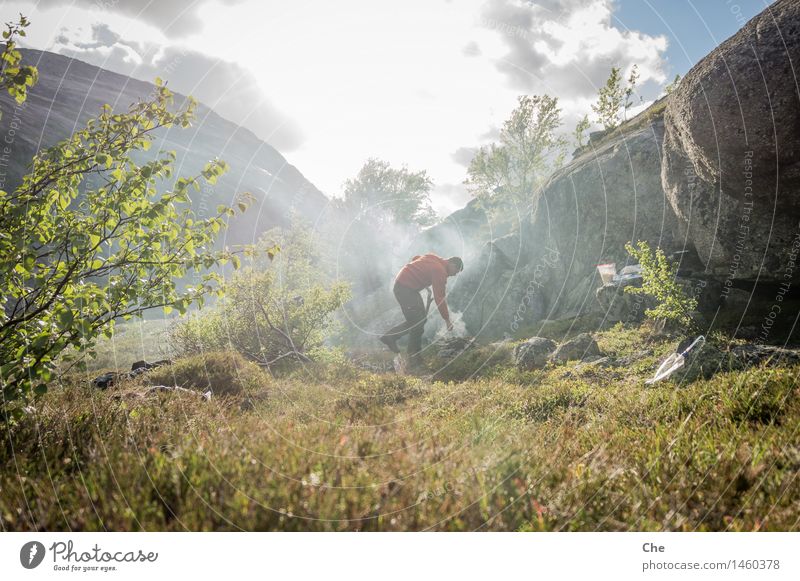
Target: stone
x: 618, y: 306
x: 750, y: 355
x: 533, y: 353
x: 106, y: 380
x: 596, y: 361
x: 737, y: 300
x: 731, y: 154
x: 578, y: 348
x: 453, y: 347
x: 583, y: 216
x: 145, y: 365
x: 587, y: 212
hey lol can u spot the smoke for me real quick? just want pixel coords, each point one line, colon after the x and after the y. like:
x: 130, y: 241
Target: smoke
x: 459, y: 327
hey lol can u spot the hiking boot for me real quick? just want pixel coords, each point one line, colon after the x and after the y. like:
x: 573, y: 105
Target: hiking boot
x: 390, y: 342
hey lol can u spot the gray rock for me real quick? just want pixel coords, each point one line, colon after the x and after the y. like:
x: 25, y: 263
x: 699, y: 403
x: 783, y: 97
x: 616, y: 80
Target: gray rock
x: 145, y: 365
x: 618, y: 306
x: 533, y: 353
x: 736, y: 299
x: 750, y: 355
x: 106, y: 380
x: 596, y: 361
x: 581, y: 347
x: 731, y: 155
x: 591, y: 208
x: 583, y: 216
x: 453, y: 347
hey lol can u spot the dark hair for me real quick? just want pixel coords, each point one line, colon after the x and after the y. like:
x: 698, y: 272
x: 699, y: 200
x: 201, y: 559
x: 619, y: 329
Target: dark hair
x: 457, y: 262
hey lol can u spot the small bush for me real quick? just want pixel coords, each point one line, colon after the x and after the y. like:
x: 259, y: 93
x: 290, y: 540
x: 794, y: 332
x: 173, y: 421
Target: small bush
x: 659, y: 280
x: 274, y: 312
x: 223, y: 372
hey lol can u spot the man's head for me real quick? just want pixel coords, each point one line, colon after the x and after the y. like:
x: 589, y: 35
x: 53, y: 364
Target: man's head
x: 454, y: 265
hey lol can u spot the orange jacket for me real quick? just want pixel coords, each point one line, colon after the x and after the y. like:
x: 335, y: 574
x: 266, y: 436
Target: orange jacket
x: 424, y: 271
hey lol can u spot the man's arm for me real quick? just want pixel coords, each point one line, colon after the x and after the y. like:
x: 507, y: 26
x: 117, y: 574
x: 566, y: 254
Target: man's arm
x: 439, y: 283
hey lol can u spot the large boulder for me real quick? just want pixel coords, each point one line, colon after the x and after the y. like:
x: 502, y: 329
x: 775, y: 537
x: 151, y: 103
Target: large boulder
x: 502, y: 291
x: 533, y: 353
x: 586, y: 213
x: 731, y: 155
x: 610, y: 194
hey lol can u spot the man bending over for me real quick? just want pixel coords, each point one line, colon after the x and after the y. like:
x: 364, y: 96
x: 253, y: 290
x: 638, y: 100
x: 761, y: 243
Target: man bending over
x: 422, y: 272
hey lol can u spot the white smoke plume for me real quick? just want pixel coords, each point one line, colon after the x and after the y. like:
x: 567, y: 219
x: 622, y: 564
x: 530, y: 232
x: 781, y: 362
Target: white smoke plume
x: 459, y: 327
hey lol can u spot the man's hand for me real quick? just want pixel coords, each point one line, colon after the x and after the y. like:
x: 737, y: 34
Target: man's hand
x: 449, y: 325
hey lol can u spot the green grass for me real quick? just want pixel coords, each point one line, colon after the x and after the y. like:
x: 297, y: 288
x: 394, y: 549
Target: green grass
x: 333, y: 447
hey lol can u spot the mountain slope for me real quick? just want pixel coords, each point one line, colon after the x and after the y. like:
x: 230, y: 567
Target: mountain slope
x: 70, y: 91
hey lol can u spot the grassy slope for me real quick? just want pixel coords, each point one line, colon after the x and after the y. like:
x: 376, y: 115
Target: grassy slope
x: 335, y: 448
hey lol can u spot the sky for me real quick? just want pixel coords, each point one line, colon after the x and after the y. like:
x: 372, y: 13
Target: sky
x: 420, y: 83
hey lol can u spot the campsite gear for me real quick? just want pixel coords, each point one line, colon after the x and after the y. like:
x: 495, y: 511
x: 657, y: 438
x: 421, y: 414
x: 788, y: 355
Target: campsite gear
x: 631, y: 269
x: 626, y: 275
x: 607, y: 272
x: 674, y: 361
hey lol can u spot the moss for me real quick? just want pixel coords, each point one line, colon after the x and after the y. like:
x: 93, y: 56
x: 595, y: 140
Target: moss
x: 223, y: 372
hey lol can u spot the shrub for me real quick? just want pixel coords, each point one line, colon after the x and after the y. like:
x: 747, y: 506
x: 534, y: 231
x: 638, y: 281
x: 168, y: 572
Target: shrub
x: 530, y: 148
x: 223, y: 372
x: 76, y: 256
x: 659, y: 280
x: 272, y: 311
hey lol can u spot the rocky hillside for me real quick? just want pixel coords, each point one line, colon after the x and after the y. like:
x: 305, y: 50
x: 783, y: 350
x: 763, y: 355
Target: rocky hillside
x: 709, y: 174
x: 70, y: 91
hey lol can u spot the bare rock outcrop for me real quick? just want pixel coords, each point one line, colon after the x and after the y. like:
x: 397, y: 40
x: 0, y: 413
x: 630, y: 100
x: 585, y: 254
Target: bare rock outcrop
x: 731, y: 161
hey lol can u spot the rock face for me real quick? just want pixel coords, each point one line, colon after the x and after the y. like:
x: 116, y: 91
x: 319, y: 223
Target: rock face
x: 731, y: 159
x: 70, y: 91
x: 619, y: 306
x: 533, y: 353
x: 578, y: 348
x: 609, y: 195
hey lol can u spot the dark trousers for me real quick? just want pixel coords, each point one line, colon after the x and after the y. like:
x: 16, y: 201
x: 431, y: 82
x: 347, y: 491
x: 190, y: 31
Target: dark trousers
x: 413, y: 308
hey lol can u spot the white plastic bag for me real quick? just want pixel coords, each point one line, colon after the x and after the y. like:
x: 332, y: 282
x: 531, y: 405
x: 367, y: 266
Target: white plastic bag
x: 674, y: 361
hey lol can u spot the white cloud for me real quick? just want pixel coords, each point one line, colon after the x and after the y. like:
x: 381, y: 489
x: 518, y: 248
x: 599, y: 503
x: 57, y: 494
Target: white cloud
x: 229, y: 89
x: 174, y: 17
